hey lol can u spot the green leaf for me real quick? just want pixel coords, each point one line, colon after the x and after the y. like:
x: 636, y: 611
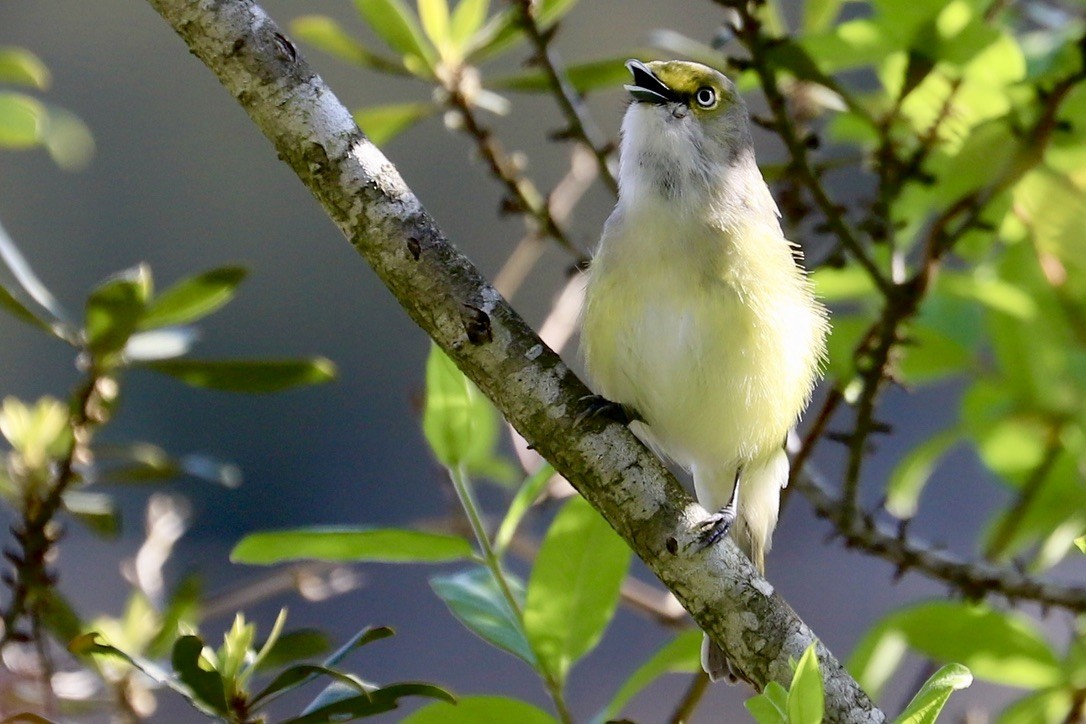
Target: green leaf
x: 806, y: 700
x: 18, y: 65
x: 97, y: 511
x: 434, y: 15
x: 1004, y: 648
x: 771, y: 706
x: 913, y: 472
x: 366, y: 636
x: 298, y: 674
x: 67, y: 139
x: 475, y: 600
x: 383, y: 123
x: 585, y: 77
x: 928, y: 702
x: 459, y: 422
x: 467, y: 19
x: 339, y: 708
x: 379, y: 545
x: 548, y: 12
x: 680, y: 655
x: 193, y: 298
x: 398, y: 27
x: 479, y: 710
x: 574, y: 586
x: 293, y: 646
x: 20, y: 311
x: 327, y: 35
x: 22, y: 119
x: 208, y: 686
x: 114, y: 310
x: 848, y: 283
x: 501, y: 33
x: 251, y: 376
x: 818, y: 15
x: 1080, y: 543
x: 932, y: 355
x: 530, y: 489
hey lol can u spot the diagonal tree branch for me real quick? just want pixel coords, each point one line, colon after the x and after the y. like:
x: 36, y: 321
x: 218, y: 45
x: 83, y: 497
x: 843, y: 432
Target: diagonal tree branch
x: 367, y: 199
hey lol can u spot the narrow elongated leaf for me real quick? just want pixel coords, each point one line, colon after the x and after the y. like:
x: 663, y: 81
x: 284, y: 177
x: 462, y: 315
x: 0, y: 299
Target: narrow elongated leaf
x: 18, y: 310
x: 383, y: 123
x: 928, y: 702
x: 350, y: 544
x: 681, y: 654
x: 250, y: 376
x: 574, y: 586
x: 294, y: 646
x: 298, y: 674
x: 398, y: 27
x: 160, y: 344
x: 193, y: 298
x: 913, y: 472
x: 97, y: 511
x: 459, y: 422
x: 67, y: 139
x: 479, y: 710
x: 434, y: 15
x: 327, y: 35
x: 806, y: 699
x: 376, y: 702
x: 501, y: 33
x: 114, y: 310
x: 28, y: 280
x: 208, y: 686
x: 521, y: 503
x: 467, y: 19
x: 475, y: 599
x: 585, y: 77
x: 19, y: 65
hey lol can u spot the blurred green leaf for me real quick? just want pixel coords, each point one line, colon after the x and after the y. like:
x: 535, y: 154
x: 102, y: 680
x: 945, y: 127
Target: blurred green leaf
x: 251, y: 376
x: 434, y: 15
x: 479, y: 710
x: 293, y: 676
x: 1046, y: 705
x: 584, y: 77
x: 771, y: 706
x: 499, y: 34
x: 1080, y: 543
x: 913, y: 472
x: 820, y: 14
x: 22, y: 119
x: 475, y: 600
x: 327, y: 35
x: 294, y: 646
x: 467, y: 19
x: 383, y: 123
x: 932, y: 355
x: 530, y: 489
x: 459, y: 422
x: 399, y: 27
x: 59, y: 616
x: 574, y: 586
x: 192, y: 299
x: 845, y: 284
x: 548, y: 12
x: 159, y: 344
x: 335, y: 706
x: 207, y: 686
x: 382, y: 545
x: 97, y: 511
x: 680, y: 655
x: 1004, y: 648
x: 806, y: 700
x: 20, y: 311
x: 67, y: 139
x: 845, y: 336
x: 114, y: 309
x: 19, y: 65
x: 929, y: 701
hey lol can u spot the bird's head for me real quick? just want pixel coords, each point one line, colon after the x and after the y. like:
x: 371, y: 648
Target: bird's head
x: 686, y: 124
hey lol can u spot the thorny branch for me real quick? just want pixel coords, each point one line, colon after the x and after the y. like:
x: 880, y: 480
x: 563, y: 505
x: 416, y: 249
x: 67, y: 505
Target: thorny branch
x: 569, y: 100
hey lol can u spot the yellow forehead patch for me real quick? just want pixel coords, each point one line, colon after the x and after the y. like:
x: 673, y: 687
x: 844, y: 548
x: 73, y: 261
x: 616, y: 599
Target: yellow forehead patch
x: 686, y: 78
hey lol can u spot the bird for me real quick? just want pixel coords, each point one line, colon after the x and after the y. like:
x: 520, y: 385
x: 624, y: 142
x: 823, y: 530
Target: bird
x: 700, y: 327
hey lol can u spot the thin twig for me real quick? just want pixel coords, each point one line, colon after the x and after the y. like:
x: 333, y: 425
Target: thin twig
x: 699, y: 683
x: 581, y: 125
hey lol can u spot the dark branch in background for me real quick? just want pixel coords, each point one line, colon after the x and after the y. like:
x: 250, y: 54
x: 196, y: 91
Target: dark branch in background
x: 524, y: 197
x: 569, y: 100
x: 365, y: 196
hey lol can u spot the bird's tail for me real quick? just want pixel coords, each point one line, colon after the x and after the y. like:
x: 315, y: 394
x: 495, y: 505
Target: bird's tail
x: 758, y: 502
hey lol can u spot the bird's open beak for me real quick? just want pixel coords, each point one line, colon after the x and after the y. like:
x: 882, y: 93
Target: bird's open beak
x: 647, y: 88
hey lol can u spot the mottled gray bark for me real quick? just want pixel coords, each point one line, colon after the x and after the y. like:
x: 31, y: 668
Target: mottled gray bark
x: 367, y: 199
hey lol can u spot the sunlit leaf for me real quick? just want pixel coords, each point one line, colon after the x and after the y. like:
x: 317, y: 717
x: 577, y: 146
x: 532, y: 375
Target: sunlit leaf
x: 434, y: 16
x: 477, y: 602
x: 771, y: 706
x: 67, y: 139
x: 18, y: 65
x: 252, y: 376
x: 192, y: 299
x: 929, y: 701
x: 21, y: 120
x: 97, y: 511
x: 912, y: 473
x: 114, y: 308
x: 574, y: 586
x: 208, y: 686
x: 530, y: 489
x: 467, y: 19
x: 383, y: 123
x: 20, y: 311
x: 479, y: 710
x: 398, y: 27
x: 326, y: 34
x: 383, y: 545
x: 159, y: 344
x: 806, y: 700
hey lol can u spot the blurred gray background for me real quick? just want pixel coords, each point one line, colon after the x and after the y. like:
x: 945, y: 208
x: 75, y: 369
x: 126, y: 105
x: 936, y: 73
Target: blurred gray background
x: 182, y: 180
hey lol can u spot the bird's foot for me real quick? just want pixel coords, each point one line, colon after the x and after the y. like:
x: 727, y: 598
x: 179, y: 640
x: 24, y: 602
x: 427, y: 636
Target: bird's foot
x: 600, y: 406
x: 715, y: 527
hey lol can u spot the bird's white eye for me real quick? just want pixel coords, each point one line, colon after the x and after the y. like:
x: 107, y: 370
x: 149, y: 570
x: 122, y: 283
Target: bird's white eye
x: 705, y: 97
